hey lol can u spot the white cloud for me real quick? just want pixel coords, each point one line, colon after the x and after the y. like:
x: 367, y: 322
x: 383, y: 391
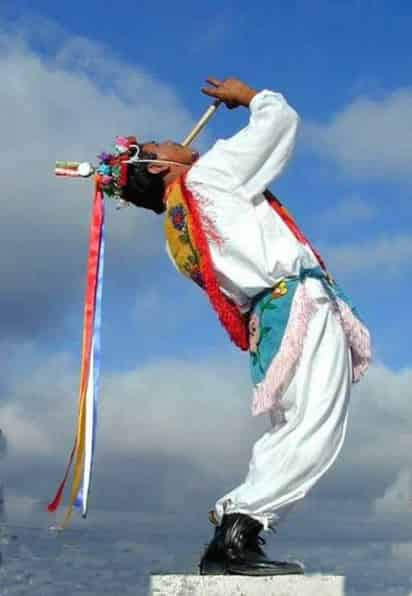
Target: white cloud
x: 180, y: 411
x: 397, y: 498
x: 376, y: 459
x: 391, y: 254
x: 349, y: 210
x: 143, y: 411
x: 402, y: 551
x: 20, y: 507
x: 38, y: 410
x: 3, y: 444
x: 370, y: 137
x: 195, y: 419
x: 196, y: 411
x: 67, y: 103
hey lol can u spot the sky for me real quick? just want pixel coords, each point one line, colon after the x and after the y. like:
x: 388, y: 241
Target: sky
x: 175, y: 426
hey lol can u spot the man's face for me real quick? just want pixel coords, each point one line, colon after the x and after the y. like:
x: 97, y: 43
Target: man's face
x: 171, y: 151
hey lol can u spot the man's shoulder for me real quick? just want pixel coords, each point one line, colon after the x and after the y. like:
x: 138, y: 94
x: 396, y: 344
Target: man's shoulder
x: 211, y: 164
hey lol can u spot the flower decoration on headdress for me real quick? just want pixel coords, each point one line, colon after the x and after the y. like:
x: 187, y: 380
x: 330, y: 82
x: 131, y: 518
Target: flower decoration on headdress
x: 113, y: 167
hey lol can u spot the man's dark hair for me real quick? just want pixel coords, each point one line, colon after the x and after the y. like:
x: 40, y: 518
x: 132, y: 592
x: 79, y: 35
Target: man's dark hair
x: 143, y: 188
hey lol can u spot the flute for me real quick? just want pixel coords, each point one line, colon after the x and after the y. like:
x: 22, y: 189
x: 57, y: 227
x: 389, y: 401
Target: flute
x: 197, y: 129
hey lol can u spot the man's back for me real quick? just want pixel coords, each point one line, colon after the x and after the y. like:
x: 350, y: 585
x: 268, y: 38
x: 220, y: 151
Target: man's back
x: 255, y: 249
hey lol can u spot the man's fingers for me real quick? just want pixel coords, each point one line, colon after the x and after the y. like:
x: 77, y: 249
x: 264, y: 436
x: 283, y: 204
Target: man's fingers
x: 215, y: 89
x: 214, y: 82
x: 211, y: 92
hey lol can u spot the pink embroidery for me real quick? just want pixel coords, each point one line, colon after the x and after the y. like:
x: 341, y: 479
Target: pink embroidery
x: 268, y: 393
x: 358, y: 338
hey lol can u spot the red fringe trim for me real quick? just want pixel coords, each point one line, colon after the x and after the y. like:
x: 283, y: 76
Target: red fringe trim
x: 229, y: 315
x: 292, y: 225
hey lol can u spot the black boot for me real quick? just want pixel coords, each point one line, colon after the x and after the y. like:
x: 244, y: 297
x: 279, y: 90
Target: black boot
x: 244, y: 555
x: 213, y: 561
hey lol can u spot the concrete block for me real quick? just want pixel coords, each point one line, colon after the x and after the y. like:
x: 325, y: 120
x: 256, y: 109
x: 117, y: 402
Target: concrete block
x: 237, y: 585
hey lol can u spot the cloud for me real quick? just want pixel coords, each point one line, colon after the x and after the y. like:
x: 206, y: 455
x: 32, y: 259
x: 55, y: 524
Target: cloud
x: 67, y: 101
x: 3, y: 444
x: 348, y: 211
x: 36, y: 410
x: 143, y: 418
x: 369, y: 137
x: 20, y: 506
x: 377, y: 453
x: 217, y: 29
x: 174, y: 435
x: 191, y: 421
x: 165, y: 395
x: 403, y: 551
x: 156, y: 400
x: 392, y: 254
x: 397, y: 498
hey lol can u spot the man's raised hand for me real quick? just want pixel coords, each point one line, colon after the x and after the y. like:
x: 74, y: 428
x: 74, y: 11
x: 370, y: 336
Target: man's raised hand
x: 232, y: 92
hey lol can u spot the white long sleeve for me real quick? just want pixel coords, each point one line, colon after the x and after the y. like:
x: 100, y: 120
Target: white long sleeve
x: 256, y: 248
x: 257, y: 154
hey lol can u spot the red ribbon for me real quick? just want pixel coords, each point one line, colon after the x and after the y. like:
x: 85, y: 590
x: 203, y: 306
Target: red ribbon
x: 88, y: 319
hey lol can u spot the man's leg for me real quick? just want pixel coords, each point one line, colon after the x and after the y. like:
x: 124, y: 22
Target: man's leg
x: 289, y: 459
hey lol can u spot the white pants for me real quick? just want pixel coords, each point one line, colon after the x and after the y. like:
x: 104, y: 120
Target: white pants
x: 291, y: 457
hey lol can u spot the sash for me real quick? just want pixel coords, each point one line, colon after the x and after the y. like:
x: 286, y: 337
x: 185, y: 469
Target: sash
x: 278, y: 326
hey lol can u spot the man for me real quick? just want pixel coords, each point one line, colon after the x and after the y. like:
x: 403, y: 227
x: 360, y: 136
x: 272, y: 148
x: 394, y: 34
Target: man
x: 272, y: 293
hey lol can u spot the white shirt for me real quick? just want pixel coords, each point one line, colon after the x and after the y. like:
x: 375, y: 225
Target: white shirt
x: 257, y: 249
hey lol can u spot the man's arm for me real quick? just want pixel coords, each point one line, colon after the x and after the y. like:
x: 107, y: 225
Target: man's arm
x: 259, y: 152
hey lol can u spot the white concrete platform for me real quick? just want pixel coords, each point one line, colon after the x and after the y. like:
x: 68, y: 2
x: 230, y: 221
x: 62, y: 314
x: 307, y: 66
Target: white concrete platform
x: 236, y: 585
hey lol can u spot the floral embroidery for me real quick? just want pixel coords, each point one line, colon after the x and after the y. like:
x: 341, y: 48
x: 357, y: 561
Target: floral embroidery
x: 281, y: 289
x: 185, y: 237
x: 191, y: 267
x: 258, y: 331
x: 178, y: 233
x: 178, y: 216
x: 254, y: 333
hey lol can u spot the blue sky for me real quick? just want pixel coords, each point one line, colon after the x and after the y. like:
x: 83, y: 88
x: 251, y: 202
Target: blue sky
x: 323, y: 56
x: 75, y: 75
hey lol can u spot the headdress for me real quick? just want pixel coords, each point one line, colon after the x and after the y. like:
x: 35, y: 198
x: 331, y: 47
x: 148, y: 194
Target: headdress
x: 113, y: 167
x: 113, y: 170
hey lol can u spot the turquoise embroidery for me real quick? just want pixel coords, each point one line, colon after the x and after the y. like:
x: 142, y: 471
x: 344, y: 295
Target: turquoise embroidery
x: 267, y: 325
x: 270, y: 315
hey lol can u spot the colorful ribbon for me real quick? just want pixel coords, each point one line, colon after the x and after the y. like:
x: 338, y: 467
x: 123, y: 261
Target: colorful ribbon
x: 83, y: 449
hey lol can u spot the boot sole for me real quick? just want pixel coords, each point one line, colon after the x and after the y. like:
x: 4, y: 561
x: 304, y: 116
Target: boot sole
x: 260, y: 572
x: 213, y: 569
x: 265, y: 571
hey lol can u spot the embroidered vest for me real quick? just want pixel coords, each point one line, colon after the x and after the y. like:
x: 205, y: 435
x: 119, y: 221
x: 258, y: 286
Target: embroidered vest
x: 179, y: 236
x: 189, y: 248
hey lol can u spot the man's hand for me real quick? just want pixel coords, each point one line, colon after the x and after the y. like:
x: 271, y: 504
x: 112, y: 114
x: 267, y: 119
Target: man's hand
x: 232, y: 92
